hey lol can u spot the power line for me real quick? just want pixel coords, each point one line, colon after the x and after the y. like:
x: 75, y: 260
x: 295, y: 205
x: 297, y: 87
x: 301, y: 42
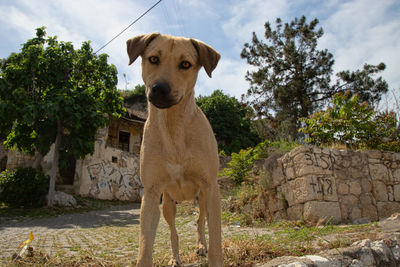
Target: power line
x: 141, y: 16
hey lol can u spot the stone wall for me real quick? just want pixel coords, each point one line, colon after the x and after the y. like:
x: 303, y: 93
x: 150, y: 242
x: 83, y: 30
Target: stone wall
x: 341, y: 185
x: 109, y: 173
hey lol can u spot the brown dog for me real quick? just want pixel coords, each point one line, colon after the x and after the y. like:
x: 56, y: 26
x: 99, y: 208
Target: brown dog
x: 179, y: 156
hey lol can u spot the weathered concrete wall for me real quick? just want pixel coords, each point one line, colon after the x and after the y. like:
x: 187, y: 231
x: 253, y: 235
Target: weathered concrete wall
x: 346, y: 186
x: 109, y: 173
x: 18, y: 159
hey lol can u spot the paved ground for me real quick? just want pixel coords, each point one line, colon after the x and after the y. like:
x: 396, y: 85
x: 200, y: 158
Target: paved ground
x: 108, y: 233
x: 113, y: 230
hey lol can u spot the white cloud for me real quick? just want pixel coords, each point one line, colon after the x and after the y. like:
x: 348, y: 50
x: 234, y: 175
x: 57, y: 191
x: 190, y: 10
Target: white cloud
x: 250, y: 16
x: 360, y: 32
x: 228, y: 76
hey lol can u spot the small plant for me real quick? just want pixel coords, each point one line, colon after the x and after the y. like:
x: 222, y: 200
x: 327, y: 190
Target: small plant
x: 240, y: 165
x: 23, y: 187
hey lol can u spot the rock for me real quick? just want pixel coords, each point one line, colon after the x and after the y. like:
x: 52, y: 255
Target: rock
x: 386, y: 209
x: 396, y: 252
x: 294, y: 264
x: 363, y: 220
x: 62, y: 199
x: 316, y: 210
x: 382, y: 252
x: 343, y: 189
x: 320, y: 261
x: 356, y: 263
x: 379, y: 172
x: 379, y: 191
x: 295, y: 212
x: 355, y: 188
x: 396, y: 192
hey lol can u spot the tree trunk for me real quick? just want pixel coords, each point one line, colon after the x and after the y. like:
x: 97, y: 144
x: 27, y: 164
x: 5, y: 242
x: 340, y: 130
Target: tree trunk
x: 54, y: 166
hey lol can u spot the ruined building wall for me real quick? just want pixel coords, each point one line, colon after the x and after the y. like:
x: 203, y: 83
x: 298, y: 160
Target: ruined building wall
x: 344, y: 186
x: 109, y: 173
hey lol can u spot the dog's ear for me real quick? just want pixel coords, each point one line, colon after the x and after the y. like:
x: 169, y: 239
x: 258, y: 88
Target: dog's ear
x: 208, y: 57
x: 136, y: 45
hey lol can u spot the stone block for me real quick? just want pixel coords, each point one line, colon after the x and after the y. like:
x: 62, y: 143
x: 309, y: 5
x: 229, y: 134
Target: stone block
x: 295, y: 212
x: 378, y: 172
x: 308, y: 188
x: 386, y: 209
x: 317, y: 210
x: 396, y: 175
x: 312, y: 163
x: 343, y: 189
x: 374, y: 154
x: 396, y: 192
x: 358, y: 173
x: 369, y: 211
x: 366, y: 185
x: 358, y: 159
x: 355, y: 188
x: 349, y: 200
x: 379, y: 191
x: 355, y: 214
x: 365, y: 200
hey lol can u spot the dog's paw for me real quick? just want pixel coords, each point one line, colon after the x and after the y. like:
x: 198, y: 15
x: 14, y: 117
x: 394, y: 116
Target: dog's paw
x: 174, y: 263
x: 202, y: 251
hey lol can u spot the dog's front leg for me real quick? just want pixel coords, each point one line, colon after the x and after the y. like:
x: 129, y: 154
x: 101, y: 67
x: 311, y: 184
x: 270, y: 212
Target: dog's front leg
x: 149, y: 217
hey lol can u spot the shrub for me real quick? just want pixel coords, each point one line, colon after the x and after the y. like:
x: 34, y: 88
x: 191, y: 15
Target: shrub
x: 23, y: 187
x: 240, y: 165
x: 266, y: 148
x: 357, y: 125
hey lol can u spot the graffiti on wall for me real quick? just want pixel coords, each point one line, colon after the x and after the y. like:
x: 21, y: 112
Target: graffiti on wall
x: 322, y: 185
x: 112, y: 182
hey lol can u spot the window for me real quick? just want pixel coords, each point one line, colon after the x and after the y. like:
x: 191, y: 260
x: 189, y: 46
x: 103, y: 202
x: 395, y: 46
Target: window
x: 123, y: 141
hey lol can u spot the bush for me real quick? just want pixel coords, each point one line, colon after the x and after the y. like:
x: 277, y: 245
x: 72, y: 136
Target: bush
x: 23, y: 187
x: 240, y: 165
x: 348, y: 121
x: 268, y: 147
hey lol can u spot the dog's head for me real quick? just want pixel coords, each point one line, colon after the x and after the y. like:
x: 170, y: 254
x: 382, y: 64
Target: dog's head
x: 170, y: 65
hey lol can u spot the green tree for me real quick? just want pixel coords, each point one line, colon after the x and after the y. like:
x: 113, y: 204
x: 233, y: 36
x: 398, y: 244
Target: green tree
x: 229, y: 120
x: 353, y: 123
x: 138, y: 95
x: 52, y: 93
x: 293, y: 78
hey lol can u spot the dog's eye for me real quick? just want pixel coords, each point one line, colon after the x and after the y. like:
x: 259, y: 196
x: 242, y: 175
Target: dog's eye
x: 185, y: 65
x: 154, y: 60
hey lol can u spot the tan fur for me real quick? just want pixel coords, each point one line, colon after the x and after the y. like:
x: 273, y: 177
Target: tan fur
x: 179, y: 157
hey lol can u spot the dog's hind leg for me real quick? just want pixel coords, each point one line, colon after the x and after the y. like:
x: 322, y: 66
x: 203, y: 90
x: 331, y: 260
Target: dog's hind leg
x: 169, y: 212
x: 201, y: 236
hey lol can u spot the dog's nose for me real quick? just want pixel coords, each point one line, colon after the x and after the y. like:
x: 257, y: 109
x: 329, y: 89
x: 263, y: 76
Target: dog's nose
x: 160, y: 90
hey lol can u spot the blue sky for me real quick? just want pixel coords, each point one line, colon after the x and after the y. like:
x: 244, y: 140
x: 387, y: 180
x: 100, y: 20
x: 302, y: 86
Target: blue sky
x: 356, y: 31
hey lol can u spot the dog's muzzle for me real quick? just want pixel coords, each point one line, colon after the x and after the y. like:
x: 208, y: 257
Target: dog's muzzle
x: 160, y: 96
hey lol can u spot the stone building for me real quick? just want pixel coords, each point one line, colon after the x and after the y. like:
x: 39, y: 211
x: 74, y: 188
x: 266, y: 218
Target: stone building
x: 111, y: 172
